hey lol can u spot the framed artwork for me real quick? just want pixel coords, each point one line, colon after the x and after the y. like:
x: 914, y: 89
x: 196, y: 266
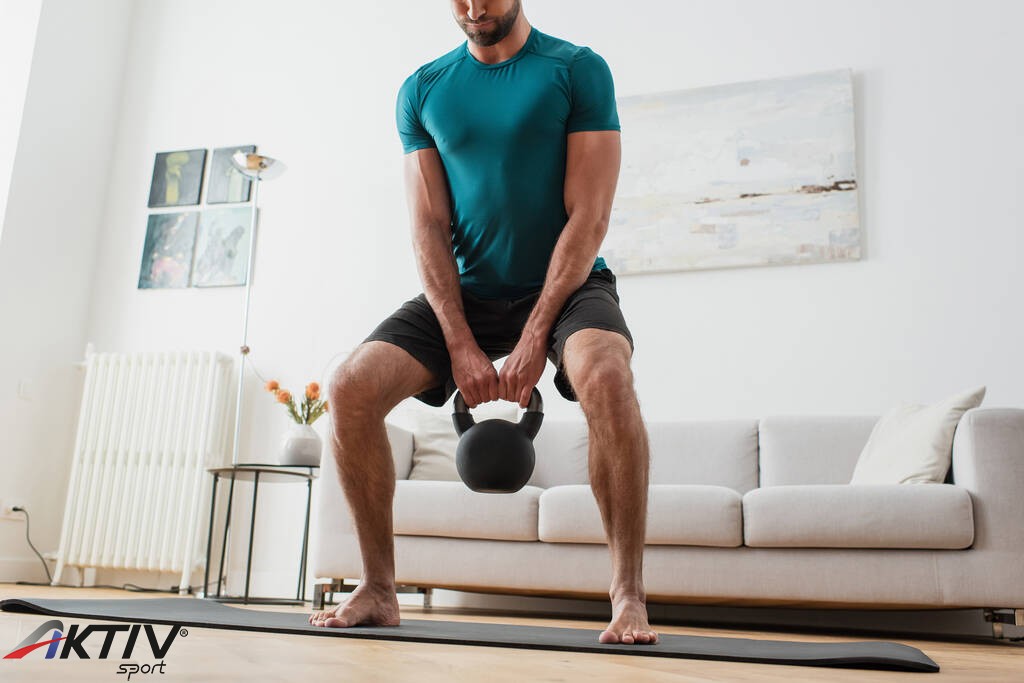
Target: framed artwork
x: 761, y: 173
x: 226, y: 185
x: 222, y: 247
x: 177, y: 178
x: 167, y: 253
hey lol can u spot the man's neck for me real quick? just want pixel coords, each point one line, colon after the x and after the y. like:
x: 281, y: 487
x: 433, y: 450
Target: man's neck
x: 506, y: 48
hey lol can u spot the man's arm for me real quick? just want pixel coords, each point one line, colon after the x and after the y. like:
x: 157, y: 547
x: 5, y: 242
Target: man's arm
x: 430, y: 215
x: 591, y: 174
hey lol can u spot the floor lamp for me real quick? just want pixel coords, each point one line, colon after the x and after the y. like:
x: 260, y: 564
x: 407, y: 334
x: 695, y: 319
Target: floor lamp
x: 257, y: 168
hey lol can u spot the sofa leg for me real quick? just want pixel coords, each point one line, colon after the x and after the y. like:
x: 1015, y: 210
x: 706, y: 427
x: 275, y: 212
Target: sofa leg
x: 999, y: 616
x: 318, y: 595
x: 427, y: 593
x: 323, y: 593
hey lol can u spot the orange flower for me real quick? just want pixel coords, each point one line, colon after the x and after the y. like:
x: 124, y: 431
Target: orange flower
x: 325, y: 406
x: 272, y: 385
x: 283, y: 396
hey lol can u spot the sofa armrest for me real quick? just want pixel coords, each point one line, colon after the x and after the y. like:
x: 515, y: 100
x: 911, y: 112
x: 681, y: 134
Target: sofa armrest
x: 988, y: 460
x: 401, y: 449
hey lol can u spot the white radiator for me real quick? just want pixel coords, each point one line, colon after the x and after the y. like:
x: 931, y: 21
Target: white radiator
x: 150, y: 423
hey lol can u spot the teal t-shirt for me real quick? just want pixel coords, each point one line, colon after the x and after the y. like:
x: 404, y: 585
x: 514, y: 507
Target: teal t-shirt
x: 500, y: 130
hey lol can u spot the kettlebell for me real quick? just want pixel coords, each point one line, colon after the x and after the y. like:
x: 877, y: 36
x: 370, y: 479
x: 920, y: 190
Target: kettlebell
x: 496, y: 456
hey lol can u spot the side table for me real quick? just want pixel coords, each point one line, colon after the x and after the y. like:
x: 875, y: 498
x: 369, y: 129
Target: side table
x: 256, y: 473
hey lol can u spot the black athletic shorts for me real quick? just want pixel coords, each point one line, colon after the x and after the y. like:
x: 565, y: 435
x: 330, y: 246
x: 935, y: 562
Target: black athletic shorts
x: 497, y: 325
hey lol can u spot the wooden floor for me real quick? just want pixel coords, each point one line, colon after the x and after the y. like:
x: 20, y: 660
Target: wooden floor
x: 223, y: 655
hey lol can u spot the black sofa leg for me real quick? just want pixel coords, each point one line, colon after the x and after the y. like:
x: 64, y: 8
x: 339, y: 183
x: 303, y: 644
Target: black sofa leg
x: 1003, y: 615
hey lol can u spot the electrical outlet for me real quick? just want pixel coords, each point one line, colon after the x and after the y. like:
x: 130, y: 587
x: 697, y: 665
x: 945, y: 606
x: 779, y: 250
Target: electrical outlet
x: 7, y: 509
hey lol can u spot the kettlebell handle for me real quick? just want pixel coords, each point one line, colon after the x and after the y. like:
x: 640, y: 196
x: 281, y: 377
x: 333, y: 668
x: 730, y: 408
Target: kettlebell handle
x: 529, y: 422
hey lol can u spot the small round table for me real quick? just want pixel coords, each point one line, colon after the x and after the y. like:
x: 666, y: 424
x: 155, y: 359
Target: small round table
x: 256, y: 473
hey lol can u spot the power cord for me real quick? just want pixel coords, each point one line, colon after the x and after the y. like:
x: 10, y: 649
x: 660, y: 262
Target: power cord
x: 321, y: 378
x: 124, y: 586
x: 18, y: 508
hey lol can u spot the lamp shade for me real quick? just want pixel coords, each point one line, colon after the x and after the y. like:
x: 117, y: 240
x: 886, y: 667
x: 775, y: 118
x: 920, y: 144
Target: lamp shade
x: 257, y: 166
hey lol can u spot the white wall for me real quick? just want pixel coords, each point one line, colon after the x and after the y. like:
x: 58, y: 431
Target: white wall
x: 18, y: 22
x: 931, y: 309
x: 926, y: 313
x: 47, y: 256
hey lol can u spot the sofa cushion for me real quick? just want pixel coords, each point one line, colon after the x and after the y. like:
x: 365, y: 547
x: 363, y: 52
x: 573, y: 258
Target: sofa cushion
x: 706, y: 452
x: 448, y: 508
x: 676, y: 515
x: 912, y: 443
x: 561, y: 448
x: 937, y: 516
x: 811, y: 449
x: 435, y: 439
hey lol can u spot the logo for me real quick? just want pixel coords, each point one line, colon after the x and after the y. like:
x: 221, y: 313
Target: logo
x: 59, y: 644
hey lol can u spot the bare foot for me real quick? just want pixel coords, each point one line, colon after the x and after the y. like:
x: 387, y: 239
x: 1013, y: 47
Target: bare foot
x: 366, y: 605
x: 629, y: 623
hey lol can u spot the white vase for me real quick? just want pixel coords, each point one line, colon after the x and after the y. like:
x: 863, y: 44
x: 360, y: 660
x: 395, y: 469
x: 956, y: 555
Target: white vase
x: 301, y: 446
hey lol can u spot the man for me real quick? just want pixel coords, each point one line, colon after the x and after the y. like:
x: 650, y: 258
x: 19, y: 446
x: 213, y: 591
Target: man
x: 512, y: 157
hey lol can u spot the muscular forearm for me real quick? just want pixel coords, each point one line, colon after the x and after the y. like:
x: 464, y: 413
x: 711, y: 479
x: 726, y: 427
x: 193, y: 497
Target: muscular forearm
x: 571, y: 263
x: 440, y: 275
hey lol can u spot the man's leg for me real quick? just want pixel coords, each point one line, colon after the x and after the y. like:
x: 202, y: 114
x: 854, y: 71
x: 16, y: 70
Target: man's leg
x: 597, y: 363
x: 364, y: 389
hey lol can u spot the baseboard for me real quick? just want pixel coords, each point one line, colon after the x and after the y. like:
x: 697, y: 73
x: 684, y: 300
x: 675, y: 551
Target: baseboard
x: 263, y: 584
x: 13, y: 569
x: 22, y: 569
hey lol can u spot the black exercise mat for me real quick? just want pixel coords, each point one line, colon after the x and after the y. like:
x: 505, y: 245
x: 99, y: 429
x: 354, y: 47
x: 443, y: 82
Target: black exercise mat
x: 211, y: 614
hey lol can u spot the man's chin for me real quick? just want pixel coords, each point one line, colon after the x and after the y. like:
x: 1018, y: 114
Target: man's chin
x: 482, y: 39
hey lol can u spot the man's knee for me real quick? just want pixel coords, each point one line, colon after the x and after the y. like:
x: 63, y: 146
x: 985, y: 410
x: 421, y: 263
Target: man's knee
x: 349, y: 394
x: 607, y: 382
x: 355, y: 392
x: 372, y: 381
x: 598, y: 366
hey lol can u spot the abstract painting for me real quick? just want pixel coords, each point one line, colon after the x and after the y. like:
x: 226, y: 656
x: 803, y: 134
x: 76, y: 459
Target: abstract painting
x: 222, y: 248
x: 748, y: 174
x: 167, y: 252
x: 227, y: 185
x: 177, y: 178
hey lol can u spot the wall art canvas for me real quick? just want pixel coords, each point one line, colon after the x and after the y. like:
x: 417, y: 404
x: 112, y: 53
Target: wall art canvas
x: 227, y: 185
x: 222, y: 247
x: 748, y: 174
x: 167, y: 251
x: 177, y: 178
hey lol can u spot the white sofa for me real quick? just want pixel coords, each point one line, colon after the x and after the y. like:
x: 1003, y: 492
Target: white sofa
x: 741, y: 512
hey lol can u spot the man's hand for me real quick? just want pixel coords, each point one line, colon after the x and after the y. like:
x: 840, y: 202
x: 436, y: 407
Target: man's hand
x: 474, y: 374
x: 522, y: 369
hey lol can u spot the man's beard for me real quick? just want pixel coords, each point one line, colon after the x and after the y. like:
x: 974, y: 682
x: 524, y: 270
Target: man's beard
x: 502, y: 27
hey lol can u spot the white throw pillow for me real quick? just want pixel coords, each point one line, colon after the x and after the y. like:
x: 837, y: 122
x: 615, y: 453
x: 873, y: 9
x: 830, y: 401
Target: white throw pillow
x: 434, y: 438
x: 913, y: 444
